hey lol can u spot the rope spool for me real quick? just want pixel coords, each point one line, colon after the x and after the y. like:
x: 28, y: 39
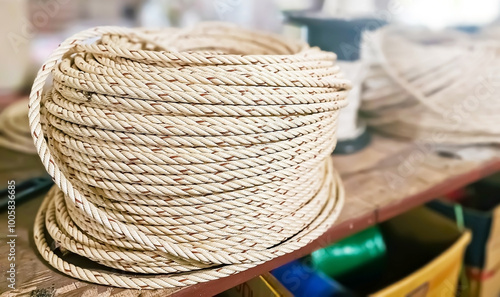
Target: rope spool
x: 183, y: 156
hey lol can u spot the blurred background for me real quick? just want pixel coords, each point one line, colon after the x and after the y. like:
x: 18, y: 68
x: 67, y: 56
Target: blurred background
x: 31, y: 29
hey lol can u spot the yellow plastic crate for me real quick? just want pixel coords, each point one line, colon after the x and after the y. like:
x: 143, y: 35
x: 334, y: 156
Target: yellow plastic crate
x: 439, y: 277
x: 265, y: 285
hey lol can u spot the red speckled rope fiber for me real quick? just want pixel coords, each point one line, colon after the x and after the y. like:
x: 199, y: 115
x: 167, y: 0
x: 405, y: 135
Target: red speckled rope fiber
x: 183, y: 156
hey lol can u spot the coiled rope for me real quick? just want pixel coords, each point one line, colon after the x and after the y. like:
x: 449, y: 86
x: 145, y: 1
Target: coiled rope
x: 440, y: 88
x: 14, y: 128
x: 184, y: 156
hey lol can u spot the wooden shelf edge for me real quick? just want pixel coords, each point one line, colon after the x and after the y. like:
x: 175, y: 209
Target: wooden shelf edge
x: 345, y: 229
x: 370, y: 199
x: 452, y: 183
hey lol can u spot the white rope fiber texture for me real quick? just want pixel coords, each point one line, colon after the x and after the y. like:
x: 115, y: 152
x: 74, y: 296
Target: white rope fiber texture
x: 184, y: 156
x: 439, y: 88
x: 14, y: 128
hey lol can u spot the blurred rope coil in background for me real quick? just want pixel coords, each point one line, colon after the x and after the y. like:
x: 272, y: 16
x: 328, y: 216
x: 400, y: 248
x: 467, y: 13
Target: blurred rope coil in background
x: 14, y: 128
x: 183, y: 156
x: 440, y: 88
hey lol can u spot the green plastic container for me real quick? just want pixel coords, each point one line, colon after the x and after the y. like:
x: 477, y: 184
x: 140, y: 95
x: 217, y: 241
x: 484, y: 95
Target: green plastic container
x: 362, y: 254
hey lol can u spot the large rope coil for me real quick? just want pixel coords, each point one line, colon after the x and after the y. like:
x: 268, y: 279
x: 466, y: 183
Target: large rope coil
x: 183, y: 156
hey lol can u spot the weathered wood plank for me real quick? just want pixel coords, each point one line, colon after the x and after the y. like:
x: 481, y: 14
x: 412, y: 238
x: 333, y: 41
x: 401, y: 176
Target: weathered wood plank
x: 388, y: 178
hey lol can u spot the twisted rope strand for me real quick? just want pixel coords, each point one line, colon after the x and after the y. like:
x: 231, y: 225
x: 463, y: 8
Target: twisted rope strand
x: 442, y: 92
x: 183, y: 156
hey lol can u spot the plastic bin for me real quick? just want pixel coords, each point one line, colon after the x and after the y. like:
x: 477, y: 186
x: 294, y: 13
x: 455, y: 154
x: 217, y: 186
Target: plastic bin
x: 433, y: 236
x: 265, y: 285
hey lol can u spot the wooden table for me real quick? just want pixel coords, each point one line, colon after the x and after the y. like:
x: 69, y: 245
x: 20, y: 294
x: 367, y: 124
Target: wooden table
x: 385, y: 179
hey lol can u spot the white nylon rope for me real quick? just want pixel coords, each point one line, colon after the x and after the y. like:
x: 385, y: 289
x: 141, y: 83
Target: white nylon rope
x: 183, y: 156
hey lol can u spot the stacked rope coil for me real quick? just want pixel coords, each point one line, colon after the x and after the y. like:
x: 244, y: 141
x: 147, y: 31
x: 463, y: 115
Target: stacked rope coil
x: 440, y: 88
x: 183, y: 156
x: 14, y: 128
